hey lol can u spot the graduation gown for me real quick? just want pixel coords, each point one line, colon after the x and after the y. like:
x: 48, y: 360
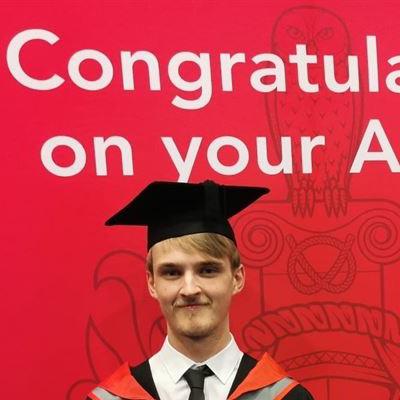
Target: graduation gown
x: 264, y: 379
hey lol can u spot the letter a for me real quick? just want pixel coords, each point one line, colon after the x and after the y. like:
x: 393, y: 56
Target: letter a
x: 387, y: 154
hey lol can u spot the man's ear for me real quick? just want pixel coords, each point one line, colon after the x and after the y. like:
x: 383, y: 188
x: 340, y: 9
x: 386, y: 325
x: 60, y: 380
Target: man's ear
x: 150, y: 284
x: 239, y: 279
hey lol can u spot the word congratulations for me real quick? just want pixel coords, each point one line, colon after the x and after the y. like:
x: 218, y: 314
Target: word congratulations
x: 271, y: 77
x: 184, y: 161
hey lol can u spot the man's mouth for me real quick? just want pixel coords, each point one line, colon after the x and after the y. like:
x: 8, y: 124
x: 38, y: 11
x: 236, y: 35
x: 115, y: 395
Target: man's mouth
x: 192, y: 306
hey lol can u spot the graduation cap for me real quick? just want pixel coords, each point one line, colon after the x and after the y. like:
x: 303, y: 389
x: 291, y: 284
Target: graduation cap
x: 172, y: 209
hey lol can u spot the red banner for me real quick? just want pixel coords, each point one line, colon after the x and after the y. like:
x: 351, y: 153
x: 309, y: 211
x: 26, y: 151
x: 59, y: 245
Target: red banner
x: 101, y: 98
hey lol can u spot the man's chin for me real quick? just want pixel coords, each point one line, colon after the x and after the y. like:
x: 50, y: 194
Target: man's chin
x: 195, y: 331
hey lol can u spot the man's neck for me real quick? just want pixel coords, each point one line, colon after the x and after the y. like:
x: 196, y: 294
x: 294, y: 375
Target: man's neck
x: 199, y: 349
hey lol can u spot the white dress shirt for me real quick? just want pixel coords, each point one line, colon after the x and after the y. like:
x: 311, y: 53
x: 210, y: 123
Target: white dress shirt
x: 168, y: 366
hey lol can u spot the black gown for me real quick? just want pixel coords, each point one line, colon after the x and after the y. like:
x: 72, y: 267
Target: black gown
x: 143, y: 376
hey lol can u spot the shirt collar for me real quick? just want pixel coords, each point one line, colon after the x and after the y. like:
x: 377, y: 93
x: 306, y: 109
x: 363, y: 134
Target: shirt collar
x: 222, y: 363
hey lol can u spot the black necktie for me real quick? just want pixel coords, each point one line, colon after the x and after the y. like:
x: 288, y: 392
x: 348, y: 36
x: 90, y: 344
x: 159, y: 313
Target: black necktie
x: 195, y: 379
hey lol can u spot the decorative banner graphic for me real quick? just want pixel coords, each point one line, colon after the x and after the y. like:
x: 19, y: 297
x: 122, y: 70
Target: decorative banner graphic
x: 101, y: 99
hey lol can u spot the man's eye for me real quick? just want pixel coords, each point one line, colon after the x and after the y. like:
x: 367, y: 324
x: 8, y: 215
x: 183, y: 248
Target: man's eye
x: 170, y: 273
x: 208, y: 270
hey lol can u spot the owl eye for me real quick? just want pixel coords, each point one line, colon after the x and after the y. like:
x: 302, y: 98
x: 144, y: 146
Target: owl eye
x: 325, y: 33
x: 294, y: 32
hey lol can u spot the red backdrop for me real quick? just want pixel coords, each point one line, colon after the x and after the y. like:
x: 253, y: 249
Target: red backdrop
x: 322, y: 250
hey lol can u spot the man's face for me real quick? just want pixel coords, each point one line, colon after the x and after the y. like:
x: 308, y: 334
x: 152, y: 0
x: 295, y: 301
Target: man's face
x: 194, y: 290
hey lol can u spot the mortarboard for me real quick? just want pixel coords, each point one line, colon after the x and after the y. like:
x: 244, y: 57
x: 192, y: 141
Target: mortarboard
x: 172, y: 209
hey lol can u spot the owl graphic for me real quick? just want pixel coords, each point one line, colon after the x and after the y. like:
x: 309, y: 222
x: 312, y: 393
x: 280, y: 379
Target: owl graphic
x: 296, y: 113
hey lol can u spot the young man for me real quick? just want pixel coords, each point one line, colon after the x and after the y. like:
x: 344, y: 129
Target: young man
x: 193, y: 270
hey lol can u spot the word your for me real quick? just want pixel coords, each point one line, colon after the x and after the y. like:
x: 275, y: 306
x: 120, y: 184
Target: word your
x: 273, y: 70
x: 185, y: 161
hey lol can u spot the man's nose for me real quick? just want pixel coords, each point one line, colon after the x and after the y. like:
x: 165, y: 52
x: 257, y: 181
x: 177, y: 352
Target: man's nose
x: 190, y: 285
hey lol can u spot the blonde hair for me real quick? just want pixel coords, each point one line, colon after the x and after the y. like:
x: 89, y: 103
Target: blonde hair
x: 213, y: 244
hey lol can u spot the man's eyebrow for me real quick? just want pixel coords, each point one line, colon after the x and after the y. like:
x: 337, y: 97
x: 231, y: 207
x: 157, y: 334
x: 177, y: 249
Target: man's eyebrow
x: 166, y: 265
x: 211, y: 261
